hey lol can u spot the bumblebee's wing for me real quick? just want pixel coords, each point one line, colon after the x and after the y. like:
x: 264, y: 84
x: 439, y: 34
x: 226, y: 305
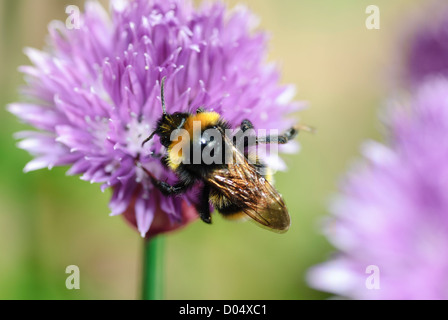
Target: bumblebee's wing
x: 245, y: 187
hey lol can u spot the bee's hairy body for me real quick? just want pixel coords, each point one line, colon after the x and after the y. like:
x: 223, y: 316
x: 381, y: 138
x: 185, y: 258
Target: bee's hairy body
x: 188, y: 171
x: 237, y: 190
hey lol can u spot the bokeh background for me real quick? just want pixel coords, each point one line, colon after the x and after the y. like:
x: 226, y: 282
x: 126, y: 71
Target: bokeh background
x: 49, y: 221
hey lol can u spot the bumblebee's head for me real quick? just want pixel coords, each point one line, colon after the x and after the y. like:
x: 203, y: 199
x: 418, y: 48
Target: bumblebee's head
x: 168, y: 123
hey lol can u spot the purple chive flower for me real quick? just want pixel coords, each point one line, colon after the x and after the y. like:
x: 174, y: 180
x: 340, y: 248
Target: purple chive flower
x: 94, y: 95
x: 427, y: 53
x: 392, y: 213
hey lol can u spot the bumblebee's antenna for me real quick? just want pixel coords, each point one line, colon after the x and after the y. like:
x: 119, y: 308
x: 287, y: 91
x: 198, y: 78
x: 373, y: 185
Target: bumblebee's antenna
x: 162, y: 95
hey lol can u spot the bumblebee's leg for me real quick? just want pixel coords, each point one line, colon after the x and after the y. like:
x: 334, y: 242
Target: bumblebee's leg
x: 246, y: 125
x: 169, y: 190
x: 283, y: 139
x: 287, y: 136
x: 203, y: 206
x: 200, y: 110
x: 241, y: 140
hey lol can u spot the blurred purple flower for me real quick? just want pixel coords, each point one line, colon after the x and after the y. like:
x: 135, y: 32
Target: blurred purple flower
x: 94, y: 95
x: 392, y: 212
x: 428, y: 47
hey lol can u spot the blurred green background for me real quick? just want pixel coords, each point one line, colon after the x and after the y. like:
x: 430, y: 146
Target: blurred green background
x: 49, y: 221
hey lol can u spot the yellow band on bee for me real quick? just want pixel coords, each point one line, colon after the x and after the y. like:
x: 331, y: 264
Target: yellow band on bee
x: 206, y: 119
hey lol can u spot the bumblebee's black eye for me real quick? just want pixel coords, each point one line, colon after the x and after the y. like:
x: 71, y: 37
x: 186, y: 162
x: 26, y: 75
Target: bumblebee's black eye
x: 211, y: 138
x: 177, y: 115
x: 179, y: 119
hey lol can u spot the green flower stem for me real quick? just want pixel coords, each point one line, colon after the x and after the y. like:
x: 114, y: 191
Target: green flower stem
x: 153, y: 268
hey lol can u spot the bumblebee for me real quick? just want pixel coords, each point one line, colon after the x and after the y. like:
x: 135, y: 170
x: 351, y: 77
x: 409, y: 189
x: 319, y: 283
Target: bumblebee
x: 237, y: 189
